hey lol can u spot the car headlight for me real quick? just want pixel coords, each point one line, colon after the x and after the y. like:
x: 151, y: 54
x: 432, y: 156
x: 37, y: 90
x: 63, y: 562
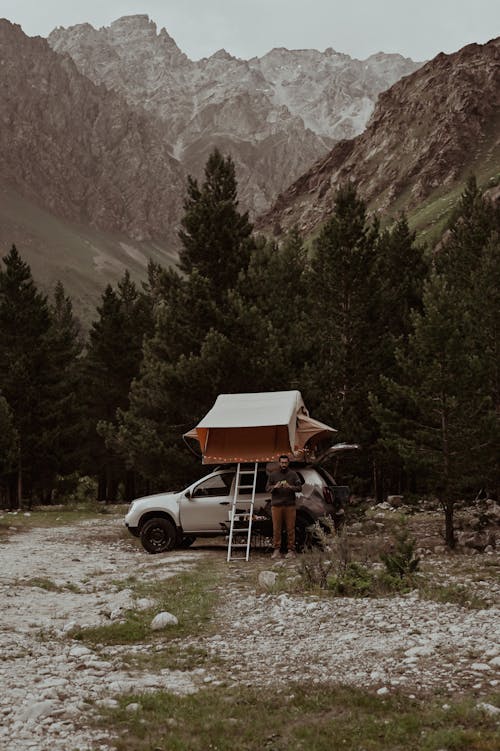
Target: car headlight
x: 131, y: 507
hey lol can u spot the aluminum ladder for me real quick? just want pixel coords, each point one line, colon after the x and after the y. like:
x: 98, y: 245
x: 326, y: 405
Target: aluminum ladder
x: 241, y: 521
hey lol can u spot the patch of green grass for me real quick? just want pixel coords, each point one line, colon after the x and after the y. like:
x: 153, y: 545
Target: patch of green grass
x: 455, y: 594
x: 41, y: 582
x: 316, y: 718
x: 57, y: 516
x: 190, y: 596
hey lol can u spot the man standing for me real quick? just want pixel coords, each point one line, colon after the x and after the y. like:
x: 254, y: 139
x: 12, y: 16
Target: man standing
x: 283, y: 483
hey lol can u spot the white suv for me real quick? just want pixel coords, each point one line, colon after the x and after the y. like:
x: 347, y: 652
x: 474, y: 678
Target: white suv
x: 169, y: 520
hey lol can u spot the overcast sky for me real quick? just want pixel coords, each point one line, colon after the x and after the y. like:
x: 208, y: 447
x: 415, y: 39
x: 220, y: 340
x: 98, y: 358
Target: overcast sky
x: 416, y: 28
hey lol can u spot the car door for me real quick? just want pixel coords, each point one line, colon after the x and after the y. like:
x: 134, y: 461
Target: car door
x: 205, y: 506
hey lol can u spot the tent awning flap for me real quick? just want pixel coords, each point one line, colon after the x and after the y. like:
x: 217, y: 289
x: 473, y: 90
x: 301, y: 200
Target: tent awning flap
x: 257, y: 427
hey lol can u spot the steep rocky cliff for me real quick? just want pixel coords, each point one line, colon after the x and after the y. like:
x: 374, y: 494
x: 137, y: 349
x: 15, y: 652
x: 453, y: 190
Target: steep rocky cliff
x: 427, y: 132
x: 276, y: 115
x: 80, y: 151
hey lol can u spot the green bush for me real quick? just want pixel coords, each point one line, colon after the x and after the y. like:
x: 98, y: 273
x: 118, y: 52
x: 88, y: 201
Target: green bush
x: 355, y: 581
x: 401, y: 560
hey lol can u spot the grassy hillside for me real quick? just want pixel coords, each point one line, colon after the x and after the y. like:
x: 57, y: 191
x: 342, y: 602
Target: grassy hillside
x: 84, y: 259
x: 430, y: 217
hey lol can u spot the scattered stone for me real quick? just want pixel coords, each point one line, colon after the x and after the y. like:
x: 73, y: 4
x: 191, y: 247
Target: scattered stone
x: 488, y: 708
x: 480, y: 667
x: 36, y: 711
x: 396, y: 501
x: 144, y: 603
x: 383, y: 691
x: 79, y: 651
x: 162, y: 620
x: 267, y: 579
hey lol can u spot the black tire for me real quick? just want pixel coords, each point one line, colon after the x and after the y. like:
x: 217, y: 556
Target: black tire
x: 304, y: 537
x: 158, y: 535
x: 186, y: 541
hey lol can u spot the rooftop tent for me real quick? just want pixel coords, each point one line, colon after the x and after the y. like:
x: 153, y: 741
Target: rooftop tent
x: 257, y: 427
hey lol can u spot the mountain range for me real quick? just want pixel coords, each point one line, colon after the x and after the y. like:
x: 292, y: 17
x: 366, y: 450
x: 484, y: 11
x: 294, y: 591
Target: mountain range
x: 101, y: 127
x: 427, y: 134
x: 276, y: 114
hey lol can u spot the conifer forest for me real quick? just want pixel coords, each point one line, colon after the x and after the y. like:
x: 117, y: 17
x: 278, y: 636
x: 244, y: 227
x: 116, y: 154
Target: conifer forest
x: 393, y: 343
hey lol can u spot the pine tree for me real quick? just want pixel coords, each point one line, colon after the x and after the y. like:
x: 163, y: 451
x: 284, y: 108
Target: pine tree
x: 63, y: 422
x: 216, y: 238
x: 436, y: 413
x: 440, y: 412
x: 400, y: 270
x: 9, y: 447
x: 24, y: 323
x: 274, y: 286
x: 194, y: 345
x: 112, y: 362
x: 343, y: 332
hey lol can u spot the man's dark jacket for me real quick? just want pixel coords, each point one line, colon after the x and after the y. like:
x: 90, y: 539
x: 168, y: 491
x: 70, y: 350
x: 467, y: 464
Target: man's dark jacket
x: 283, y: 496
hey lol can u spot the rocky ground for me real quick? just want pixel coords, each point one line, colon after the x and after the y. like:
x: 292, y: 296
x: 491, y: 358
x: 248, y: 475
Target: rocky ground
x: 52, y: 579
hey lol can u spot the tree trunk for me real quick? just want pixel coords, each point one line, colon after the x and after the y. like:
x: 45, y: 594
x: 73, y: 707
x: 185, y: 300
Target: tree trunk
x: 449, y: 532
x: 112, y: 488
x: 129, y: 492
x: 101, y: 487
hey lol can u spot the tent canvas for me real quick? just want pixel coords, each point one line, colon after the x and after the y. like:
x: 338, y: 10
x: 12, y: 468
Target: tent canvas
x: 257, y: 427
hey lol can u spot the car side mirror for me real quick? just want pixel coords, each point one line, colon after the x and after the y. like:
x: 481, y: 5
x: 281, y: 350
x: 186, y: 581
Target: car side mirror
x: 188, y: 494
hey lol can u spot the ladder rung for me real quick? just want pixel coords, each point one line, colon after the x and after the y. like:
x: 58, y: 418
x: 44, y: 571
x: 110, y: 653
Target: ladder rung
x: 245, y: 487
x: 247, y: 471
x: 238, y: 545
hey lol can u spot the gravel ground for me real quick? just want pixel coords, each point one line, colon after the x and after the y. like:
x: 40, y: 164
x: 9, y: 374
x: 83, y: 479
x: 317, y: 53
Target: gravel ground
x: 51, y: 682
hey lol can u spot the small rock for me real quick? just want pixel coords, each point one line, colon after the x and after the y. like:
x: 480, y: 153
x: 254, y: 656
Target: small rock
x: 480, y: 667
x: 144, y: 603
x: 133, y: 707
x: 162, y: 620
x: 395, y: 500
x: 421, y: 651
x: 488, y: 708
x: 267, y: 579
x: 108, y: 703
x: 383, y: 691
x: 79, y: 651
x: 36, y: 711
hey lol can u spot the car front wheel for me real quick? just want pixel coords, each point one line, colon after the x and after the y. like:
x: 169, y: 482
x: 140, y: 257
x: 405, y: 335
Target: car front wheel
x: 158, y: 536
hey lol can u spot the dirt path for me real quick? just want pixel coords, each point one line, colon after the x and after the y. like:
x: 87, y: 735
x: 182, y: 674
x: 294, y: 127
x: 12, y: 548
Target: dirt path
x: 54, y: 579
x: 51, y: 580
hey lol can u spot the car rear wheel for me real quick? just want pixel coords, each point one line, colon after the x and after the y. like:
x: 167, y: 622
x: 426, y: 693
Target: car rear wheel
x: 304, y: 534
x: 158, y: 535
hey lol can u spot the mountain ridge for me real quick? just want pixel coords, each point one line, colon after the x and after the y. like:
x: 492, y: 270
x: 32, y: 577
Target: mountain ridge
x: 426, y: 131
x: 275, y: 115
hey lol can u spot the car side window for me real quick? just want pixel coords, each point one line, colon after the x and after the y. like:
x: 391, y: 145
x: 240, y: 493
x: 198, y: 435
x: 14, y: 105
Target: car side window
x: 214, y: 486
x: 260, y: 486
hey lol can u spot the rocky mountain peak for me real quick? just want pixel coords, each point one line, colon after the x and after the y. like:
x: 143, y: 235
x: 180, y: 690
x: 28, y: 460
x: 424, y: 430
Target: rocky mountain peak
x: 222, y: 54
x: 427, y: 131
x: 128, y: 41
x: 275, y: 115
